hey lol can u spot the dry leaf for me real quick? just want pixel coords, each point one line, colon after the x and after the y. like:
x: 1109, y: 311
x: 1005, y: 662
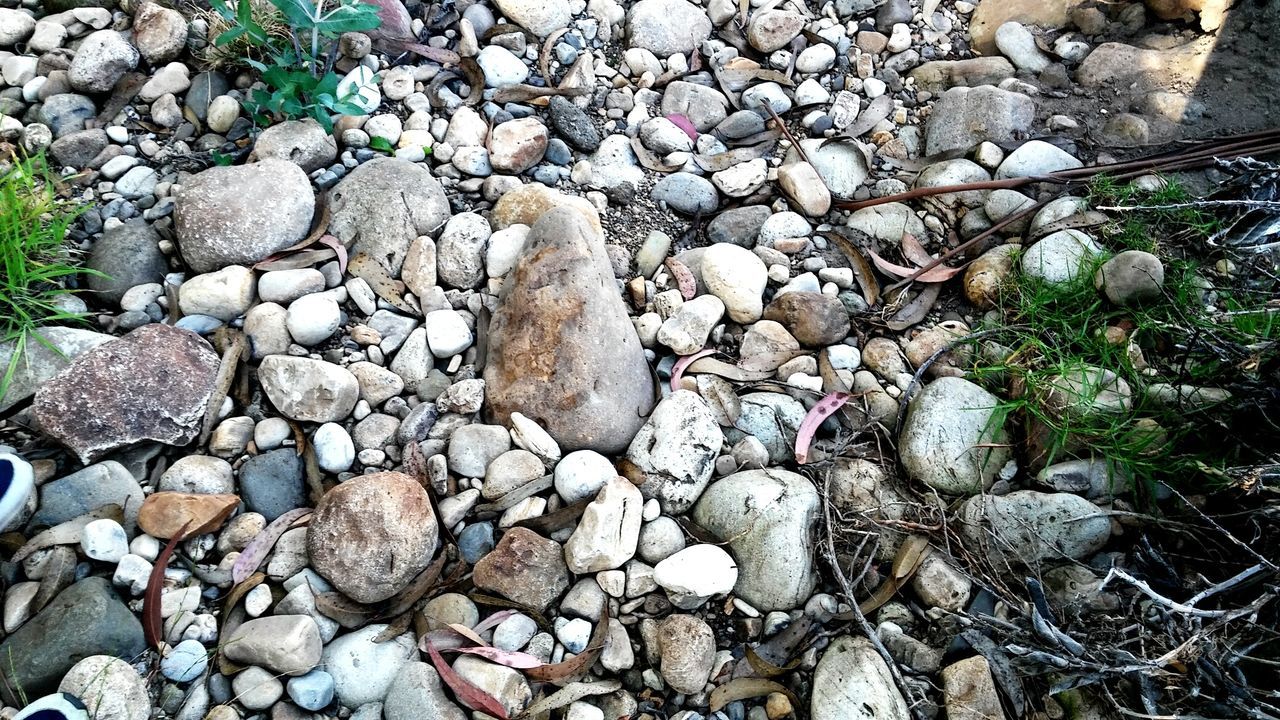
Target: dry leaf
x: 383, y: 285
x: 916, y: 310
x: 517, y: 660
x: 469, y: 694
x: 727, y: 371
x: 745, y: 688
x: 825, y: 408
x: 581, y: 663
x: 152, y: 623
x: 59, y: 573
x: 914, y: 251
x: 677, y: 371
x: 725, y: 404
x: 939, y: 274
x: 253, y: 555
x: 568, y: 694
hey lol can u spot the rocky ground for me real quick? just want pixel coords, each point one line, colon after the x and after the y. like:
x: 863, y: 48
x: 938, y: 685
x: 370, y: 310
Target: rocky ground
x: 433, y: 430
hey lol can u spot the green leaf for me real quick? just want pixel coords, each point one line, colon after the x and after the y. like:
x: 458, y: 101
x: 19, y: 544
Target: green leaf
x: 380, y: 144
x: 230, y: 35
x: 221, y: 7
x: 222, y: 159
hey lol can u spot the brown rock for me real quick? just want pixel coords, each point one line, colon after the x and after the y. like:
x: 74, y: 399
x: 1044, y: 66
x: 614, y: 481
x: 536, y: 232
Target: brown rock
x: 152, y: 384
x: 940, y: 75
x: 517, y: 145
x: 164, y: 514
x: 991, y: 14
x: 987, y: 276
x: 969, y: 690
x: 562, y: 349
x: 524, y: 567
x: 371, y: 535
x: 525, y: 204
x: 812, y: 318
x: 688, y: 648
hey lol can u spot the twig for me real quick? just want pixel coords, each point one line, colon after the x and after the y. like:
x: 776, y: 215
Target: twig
x: 1263, y: 204
x: 1234, y: 540
x: 785, y: 130
x: 222, y: 384
x: 1145, y: 589
x: 1225, y: 584
x: 859, y: 617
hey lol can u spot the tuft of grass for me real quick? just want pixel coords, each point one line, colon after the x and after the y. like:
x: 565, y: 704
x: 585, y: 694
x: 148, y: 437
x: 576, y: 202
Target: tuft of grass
x: 34, y: 258
x: 1200, y: 334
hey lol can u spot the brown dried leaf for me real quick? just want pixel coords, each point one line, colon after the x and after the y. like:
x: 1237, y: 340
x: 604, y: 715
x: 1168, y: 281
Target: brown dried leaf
x: 939, y: 274
x: 877, y: 110
x: 723, y: 401
x: 914, y: 251
x: 494, y: 601
x: 469, y: 694
x: 398, y: 626
x: 916, y: 310
x: 862, y: 271
x: 59, y: 573
x: 152, y: 623
x: 683, y: 277
x: 648, y: 159
x: 296, y: 260
x: 766, y: 668
x: 383, y: 285
x: 565, y: 517
x: 253, y: 555
x: 524, y: 93
x: 744, y: 688
x: 746, y: 153
x: 727, y: 371
x: 581, y: 663
x: 343, y: 610
x: 240, y: 590
x: 568, y: 694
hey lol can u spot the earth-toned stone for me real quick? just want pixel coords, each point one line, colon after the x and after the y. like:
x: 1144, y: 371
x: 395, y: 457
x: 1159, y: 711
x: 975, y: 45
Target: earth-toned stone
x: 365, y: 220
x: 371, y: 535
x: 524, y: 567
x: 165, y: 514
x: 150, y: 385
x: 562, y: 349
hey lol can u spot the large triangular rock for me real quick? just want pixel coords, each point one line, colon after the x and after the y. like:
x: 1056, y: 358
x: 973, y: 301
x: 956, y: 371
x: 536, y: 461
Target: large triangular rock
x: 562, y: 349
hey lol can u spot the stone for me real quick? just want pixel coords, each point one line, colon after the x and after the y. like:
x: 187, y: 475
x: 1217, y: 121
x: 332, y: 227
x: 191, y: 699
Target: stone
x: 851, y: 681
x: 517, y: 145
x: 416, y: 693
x: 104, y: 540
x: 773, y: 419
x: 109, y: 688
x: 768, y: 518
x: 969, y: 691
x: 1019, y: 45
x: 461, y: 250
x: 79, y: 148
x: 371, y: 535
x: 85, y: 620
x: 509, y: 471
x: 308, y: 390
x: 607, y: 533
x: 271, y: 484
x: 1061, y: 258
x: 185, y: 662
x: 107, y: 482
x: 841, y: 167
x: 1036, y: 157
x: 312, y: 319
x: 773, y: 29
x: 313, y: 691
x: 673, y: 455
x: 667, y: 27
x: 696, y: 573
x: 473, y: 447
x: 987, y: 277
x: 686, y: 193
x: 742, y: 179
x: 806, y: 189
x: 150, y: 385
x: 524, y: 567
x: 1081, y: 392
x: 66, y: 113
x: 224, y: 294
x: 526, y: 203
x: 940, y: 75
x: 40, y: 363
x: 501, y: 67
x: 126, y: 255
x: 540, y: 17
x: 102, y: 59
x: 687, y: 650
x: 687, y: 329
x: 1131, y: 278
x: 581, y: 474
x: 573, y: 124
x: 660, y: 539
x: 591, y: 388
x: 504, y: 684
x: 286, y: 644
x: 939, y: 584
x: 1027, y: 528
x: 704, y: 106
x: 812, y: 318
x: 198, y: 474
x: 364, y: 220
x: 963, y: 117
x: 164, y: 514
x: 15, y: 26
x: 241, y: 214
x: 989, y: 16
x: 739, y: 226
x: 363, y: 670
x: 256, y: 689
x: 159, y: 32
x: 285, y: 286
x: 302, y: 142
x: 952, y: 439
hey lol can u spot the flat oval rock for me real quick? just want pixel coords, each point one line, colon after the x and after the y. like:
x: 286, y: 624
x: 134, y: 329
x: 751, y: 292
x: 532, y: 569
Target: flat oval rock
x: 163, y: 514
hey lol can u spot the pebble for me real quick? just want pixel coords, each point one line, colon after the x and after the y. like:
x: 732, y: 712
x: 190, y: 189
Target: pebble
x: 185, y: 662
x: 104, y: 540
x: 695, y: 574
x: 312, y: 691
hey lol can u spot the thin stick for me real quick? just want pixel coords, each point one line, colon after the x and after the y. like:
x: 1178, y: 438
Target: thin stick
x: 1225, y: 584
x: 1145, y: 589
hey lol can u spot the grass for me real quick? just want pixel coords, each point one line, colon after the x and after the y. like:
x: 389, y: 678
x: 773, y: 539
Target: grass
x: 34, y: 257
x: 1199, y: 334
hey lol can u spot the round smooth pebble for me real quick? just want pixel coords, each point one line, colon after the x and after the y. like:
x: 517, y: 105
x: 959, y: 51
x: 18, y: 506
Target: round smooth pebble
x: 257, y: 601
x: 335, y: 451
x: 313, y: 691
x: 514, y: 633
x: 581, y: 474
x: 257, y: 689
x: 104, y: 540
x: 574, y: 635
x: 271, y: 433
x: 186, y: 661
x: 312, y: 319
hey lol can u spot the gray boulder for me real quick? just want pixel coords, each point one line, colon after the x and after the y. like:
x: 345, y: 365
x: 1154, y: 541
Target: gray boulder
x: 964, y: 117
x: 1028, y: 527
x: 380, y: 207
x: 667, y: 27
x: 675, y: 452
x: 953, y: 439
x: 126, y: 255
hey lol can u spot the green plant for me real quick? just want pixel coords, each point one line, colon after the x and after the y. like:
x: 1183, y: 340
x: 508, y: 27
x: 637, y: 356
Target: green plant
x: 34, y: 259
x: 1206, y: 334
x: 297, y: 70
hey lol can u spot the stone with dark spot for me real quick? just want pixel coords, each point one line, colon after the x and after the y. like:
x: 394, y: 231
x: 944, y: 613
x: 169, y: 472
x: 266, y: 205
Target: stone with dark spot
x: 150, y: 385
x: 371, y: 535
x: 812, y: 318
x: 85, y: 619
x: 573, y: 124
x: 524, y: 567
x: 562, y: 348
x: 382, y: 206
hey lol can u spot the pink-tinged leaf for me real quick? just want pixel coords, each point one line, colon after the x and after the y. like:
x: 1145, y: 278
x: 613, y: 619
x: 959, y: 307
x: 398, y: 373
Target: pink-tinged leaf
x: 152, y: 622
x: 825, y: 408
x: 684, y: 124
x: 338, y: 248
x: 914, y: 251
x: 443, y: 639
x: 939, y: 274
x: 685, y: 361
x: 494, y: 620
x: 257, y: 550
x: 469, y: 694
x: 517, y: 660
x: 683, y: 277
